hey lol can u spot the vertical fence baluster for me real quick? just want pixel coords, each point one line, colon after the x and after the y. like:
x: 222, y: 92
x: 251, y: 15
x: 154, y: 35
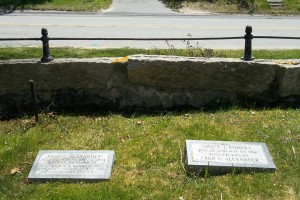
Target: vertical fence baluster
x: 46, y: 51
x: 248, y: 44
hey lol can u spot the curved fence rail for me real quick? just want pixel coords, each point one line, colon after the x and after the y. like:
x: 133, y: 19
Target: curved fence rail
x: 247, y: 37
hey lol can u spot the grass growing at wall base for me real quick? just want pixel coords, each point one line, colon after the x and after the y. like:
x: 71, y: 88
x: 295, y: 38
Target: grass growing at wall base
x: 32, y: 52
x: 149, y: 150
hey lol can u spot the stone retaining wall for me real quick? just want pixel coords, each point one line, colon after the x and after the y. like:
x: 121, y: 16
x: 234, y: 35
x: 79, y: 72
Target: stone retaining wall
x: 146, y: 82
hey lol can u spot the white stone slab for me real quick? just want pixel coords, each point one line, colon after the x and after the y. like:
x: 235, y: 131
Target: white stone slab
x: 72, y: 166
x: 218, y: 157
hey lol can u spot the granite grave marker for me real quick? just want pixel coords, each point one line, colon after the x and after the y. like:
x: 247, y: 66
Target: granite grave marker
x: 72, y: 166
x: 219, y: 157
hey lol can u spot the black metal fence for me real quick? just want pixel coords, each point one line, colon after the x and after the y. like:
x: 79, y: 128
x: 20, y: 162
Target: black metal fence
x: 248, y: 37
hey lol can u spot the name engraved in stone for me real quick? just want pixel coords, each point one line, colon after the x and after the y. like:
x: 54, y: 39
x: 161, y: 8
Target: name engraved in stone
x: 82, y: 165
x: 91, y: 164
x: 228, y: 153
x: 219, y: 157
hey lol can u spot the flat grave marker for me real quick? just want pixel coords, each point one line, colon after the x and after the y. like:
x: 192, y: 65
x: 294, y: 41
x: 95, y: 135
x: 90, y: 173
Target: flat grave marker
x: 220, y: 157
x: 72, y: 166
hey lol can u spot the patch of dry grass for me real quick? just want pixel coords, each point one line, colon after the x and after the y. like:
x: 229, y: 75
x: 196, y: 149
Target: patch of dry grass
x: 290, y: 7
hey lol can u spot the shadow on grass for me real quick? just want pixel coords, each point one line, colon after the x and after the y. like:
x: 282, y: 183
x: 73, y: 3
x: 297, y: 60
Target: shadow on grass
x: 9, y: 6
x: 95, y: 111
x: 10, y: 110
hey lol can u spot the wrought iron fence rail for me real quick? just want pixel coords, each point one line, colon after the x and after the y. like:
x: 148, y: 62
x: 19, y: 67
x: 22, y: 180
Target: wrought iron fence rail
x: 147, y: 39
x: 19, y: 39
x: 154, y: 39
x: 276, y: 37
x: 126, y: 39
x: 247, y: 37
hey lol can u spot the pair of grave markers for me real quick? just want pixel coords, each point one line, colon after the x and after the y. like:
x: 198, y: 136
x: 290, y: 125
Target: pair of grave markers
x: 213, y: 157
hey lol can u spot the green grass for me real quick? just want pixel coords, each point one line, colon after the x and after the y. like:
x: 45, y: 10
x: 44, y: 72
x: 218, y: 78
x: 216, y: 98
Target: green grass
x: 223, y: 6
x: 238, y: 6
x: 149, y: 149
x: 32, y: 52
x: 65, y: 5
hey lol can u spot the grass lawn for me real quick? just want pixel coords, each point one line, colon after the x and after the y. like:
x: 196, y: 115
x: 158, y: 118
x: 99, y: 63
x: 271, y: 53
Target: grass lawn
x: 149, y: 148
x: 33, y: 52
x: 221, y: 6
x: 238, y: 6
x: 65, y: 5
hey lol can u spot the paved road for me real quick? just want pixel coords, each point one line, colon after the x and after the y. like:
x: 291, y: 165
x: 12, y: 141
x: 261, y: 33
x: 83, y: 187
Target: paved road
x: 141, y: 7
x: 140, y: 21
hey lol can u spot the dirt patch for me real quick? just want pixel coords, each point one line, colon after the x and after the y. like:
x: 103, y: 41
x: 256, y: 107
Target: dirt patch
x: 204, y: 8
x: 193, y: 11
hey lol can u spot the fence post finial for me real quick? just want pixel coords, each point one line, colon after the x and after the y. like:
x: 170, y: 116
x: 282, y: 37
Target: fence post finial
x: 248, y: 44
x: 46, y: 51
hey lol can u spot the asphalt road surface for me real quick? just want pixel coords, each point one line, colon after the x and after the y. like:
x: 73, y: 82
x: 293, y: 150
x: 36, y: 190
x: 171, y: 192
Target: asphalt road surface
x: 147, y: 18
x: 141, y: 7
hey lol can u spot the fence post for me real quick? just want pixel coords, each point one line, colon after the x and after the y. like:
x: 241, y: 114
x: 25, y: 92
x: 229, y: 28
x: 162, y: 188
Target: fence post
x: 248, y: 44
x: 33, y: 100
x: 46, y: 51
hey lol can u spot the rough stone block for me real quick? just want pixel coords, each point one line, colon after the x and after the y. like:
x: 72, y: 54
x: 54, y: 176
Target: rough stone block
x: 289, y: 83
x: 232, y: 75
x: 60, y: 73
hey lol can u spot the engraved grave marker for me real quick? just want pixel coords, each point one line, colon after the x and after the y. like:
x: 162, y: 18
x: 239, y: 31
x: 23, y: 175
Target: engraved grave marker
x: 73, y: 166
x: 218, y: 157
